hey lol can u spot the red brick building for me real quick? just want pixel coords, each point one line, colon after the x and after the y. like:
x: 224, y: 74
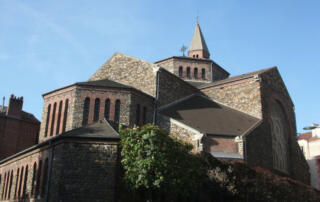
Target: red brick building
x: 18, y: 129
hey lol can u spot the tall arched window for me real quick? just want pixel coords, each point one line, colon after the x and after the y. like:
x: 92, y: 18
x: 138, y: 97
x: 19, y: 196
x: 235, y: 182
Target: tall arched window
x: 59, y: 118
x: 0, y: 182
x: 25, y: 182
x: 107, y: 109
x: 38, y: 178
x: 279, y: 135
x: 203, y: 73
x: 20, y: 183
x: 86, y: 107
x: 47, y: 121
x: 65, y: 116
x: 4, y: 184
x: 144, y: 121
x: 117, y: 111
x: 10, y: 184
x: 17, y: 184
x: 44, y: 178
x: 7, y: 185
x: 188, y: 73
x: 96, y: 109
x: 138, y: 115
x: 180, y: 71
x: 195, y: 73
x: 52, y: 118
x: 33, y: 178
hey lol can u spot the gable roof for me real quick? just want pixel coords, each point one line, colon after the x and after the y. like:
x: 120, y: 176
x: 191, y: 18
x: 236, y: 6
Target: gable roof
x: 236, y: 78
x: 198, y: 42
x: 101, y: 130
x: 209, y: 117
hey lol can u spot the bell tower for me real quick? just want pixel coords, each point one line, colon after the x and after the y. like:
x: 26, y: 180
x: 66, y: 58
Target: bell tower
x: 198, y: 47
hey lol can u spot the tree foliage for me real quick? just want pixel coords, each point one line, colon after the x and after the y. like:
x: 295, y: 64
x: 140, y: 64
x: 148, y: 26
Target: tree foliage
x: 152, y: 160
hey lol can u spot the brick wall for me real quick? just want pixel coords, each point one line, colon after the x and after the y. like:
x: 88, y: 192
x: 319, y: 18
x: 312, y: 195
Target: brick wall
x: 16, y: 135
x: 220, y: 144
x: 81, y: 171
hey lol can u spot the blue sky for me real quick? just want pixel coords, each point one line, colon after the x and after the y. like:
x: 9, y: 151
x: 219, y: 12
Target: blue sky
x: 45, y: 45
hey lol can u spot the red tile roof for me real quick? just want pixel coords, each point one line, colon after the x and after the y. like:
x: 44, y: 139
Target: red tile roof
x: 308, y: 137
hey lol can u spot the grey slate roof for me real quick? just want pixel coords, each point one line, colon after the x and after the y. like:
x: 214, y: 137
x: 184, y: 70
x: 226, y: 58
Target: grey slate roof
x: 209, y: 117
x: 100, y: 129
x: 198, y: 42
x: 103, y: 83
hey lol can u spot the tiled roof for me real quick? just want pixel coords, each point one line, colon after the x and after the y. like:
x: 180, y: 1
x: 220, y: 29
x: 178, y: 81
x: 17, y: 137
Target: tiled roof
x: 103, y: 83
x: 308, y: 137
x: 209, y: 117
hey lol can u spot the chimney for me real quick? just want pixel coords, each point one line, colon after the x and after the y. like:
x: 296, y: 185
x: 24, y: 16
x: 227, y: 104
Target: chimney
x: 15, y: 106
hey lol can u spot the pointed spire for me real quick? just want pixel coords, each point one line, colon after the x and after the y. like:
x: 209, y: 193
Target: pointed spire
x: 198, y: 47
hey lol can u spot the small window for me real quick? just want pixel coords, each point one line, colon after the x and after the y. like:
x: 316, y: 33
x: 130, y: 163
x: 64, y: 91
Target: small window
x: 53, y: 117
x: 37, y: 192
x: 197, y: 56
x: 107, y: 109
x: 47, y: 121
x: 25, y: 182
x: 138, y: 115
x: 180, y: 71
x: 20, y: 183
x: 117, y: 112
x: 195, y: 73
x: 203, y: 73
x: 44, y: 178
x: 96, y: 110
x: 10, y: 184
x: 59, y: 118
x: 65, y: 116
x: 144, y: 115
x: 86, y: 107
x: 188, y: 73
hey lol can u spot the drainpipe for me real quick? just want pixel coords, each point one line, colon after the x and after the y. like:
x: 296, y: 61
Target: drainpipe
x: 155, y: 107
x: 49, y: 171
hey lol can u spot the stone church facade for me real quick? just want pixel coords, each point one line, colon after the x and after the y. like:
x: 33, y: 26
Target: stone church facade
x: 248, y: 118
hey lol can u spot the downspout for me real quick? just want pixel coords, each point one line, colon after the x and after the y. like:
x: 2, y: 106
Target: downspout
x: 49, y: 171
x: 155, y: 106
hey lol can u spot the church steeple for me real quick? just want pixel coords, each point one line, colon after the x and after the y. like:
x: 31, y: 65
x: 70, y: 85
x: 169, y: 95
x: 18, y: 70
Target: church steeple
x: 198, y: 47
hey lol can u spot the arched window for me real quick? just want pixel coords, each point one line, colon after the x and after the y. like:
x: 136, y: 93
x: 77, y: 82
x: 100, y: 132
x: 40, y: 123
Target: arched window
x: 279, y: 134
x: 25, y: 182
x: 195, y: 73
x: 38, y: 178
x: 86, y: 107
x: 52, y: 118
x: 33, y: 178
x: 144, y: 121
x: 4, y: 184
x: 10, y: 184
x: 180, y: 71
x: 20, y: 183
x: 0, y: 182
x: 117, y: 111
x: 203, y: 73
x: 66, y: 105
x: 47, y: 121
x: 188, y: 73
x: 138, y: 115
x: 44, y: 178
x: 96, y: 109
x: 197, y: 56
x: 7, y: 184
x: 59, y: 118
x: 107, y: 109
x: 17, y: 184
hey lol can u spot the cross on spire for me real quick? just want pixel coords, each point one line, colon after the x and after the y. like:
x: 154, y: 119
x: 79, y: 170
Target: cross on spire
x: 197, y: 17
x: 183, y: 49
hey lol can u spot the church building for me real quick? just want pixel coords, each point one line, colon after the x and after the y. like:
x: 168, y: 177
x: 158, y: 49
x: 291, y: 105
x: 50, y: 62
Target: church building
x: 248, y: 118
